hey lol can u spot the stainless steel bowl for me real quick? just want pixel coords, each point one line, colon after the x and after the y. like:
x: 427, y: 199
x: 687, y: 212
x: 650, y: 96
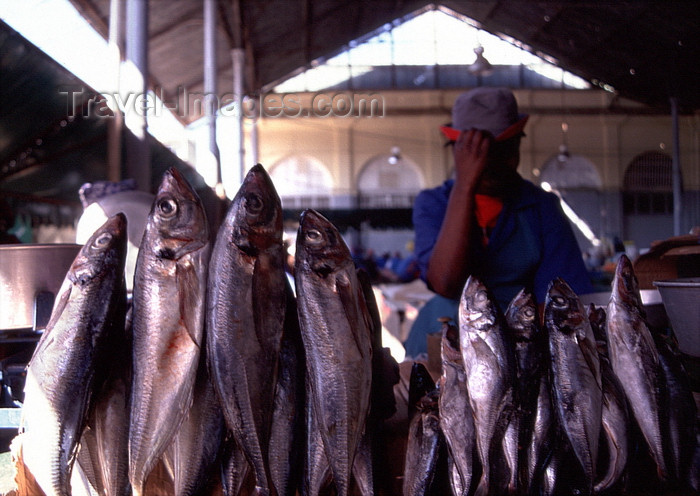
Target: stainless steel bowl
x: 30, y: 277
x: 681, y: 298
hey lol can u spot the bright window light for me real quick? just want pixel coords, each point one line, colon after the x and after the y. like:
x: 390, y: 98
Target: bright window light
x: 58, y: 29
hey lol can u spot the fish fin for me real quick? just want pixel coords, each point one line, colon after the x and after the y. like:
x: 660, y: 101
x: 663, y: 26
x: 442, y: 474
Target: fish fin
x: 372, y: 308
x: 190, y: 292
x: 353, y: 303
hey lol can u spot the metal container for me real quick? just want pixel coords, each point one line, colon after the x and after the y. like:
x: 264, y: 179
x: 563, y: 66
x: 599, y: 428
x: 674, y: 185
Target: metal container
x: 681, y: 298
x: 30, y: 277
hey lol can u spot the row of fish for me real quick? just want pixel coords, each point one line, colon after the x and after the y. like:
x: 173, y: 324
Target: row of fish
x: 219, y: 379
x: 591, y: 402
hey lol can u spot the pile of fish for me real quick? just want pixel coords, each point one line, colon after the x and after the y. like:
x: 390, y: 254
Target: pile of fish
x: 218, y: 378
x: 590, y: 402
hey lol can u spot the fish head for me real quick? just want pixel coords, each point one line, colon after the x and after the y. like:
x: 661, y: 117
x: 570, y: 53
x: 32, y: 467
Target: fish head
x: 597, y: 317
x: 320, y: 247
x: 177, y: 218
x: 625, y: 286
x: 256, y: 213
x: 476, y: 306
x: 563, y: 309
x: 105, y: 249
x: 521, y: 316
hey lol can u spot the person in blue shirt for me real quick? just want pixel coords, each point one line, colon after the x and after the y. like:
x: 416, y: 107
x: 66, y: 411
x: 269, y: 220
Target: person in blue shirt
x: 487, y: 220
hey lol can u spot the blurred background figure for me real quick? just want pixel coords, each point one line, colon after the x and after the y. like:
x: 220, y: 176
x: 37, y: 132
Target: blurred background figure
x: 7, y: 221
x: 104, y: 199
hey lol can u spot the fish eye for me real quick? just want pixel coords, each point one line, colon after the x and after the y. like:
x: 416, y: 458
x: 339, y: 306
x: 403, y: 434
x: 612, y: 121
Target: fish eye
x: 253, y: 203
x: 314, y: 236
x: 480, y: 296
x: 559, y: 301
x: 528, y: 312
x: 167, y: 207
x: 102, y: 240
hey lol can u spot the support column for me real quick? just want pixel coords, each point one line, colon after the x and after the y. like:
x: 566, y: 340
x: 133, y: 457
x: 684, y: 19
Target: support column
x: 238, y: 56
x: 210, y: 89
x: 116, y: 123
x: 138, y: 156
x: 676, y: 172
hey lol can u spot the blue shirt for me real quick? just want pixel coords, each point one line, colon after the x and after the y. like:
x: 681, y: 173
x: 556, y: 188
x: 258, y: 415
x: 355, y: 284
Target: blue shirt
x: 531, y: 244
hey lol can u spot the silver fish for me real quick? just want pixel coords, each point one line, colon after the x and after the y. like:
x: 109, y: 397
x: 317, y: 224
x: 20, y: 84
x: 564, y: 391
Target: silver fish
x: 288, y: 418
x: 490, y: 370
x: 245, y: 316
x: 67, y: 365
x: 193, y: 454
x: 682, y: 427
x: 423, y: 447
x: 168, y: 321
x: 531, y: 421
x: 615, y: 413
x: 456, y: 416
x: 576, y: 380
x: 336, y: 331
x: 635, y: 360
x: 106, y: 439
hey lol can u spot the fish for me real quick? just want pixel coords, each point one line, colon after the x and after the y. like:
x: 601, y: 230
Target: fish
x: 245, y: 316
x: 575, y: 374
x: 287, y: 445
x: 68, y: 363
x: 456, y: 416
x: 106, y: 437
x: 635, y: 361
x: 193, y: 454
x: 235, y: 470
x: 531, y: 446
x: 420, y: 383
x: 423, y: 447
x: 615, y: 412
x: 336, y: 329
x: 540, y: 446
x: 490, y: 373
x: 168, y: 321
x: 682, y: 428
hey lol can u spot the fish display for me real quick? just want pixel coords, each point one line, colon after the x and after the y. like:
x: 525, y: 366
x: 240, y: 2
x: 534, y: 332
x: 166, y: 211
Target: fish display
x: 68, y: 364
x: 245, y: 317
x: 336, y: 329
x: 222, y: 378
x: 562, y: 402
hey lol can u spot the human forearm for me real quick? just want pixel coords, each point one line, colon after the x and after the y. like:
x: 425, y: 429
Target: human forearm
x: 449, y: 263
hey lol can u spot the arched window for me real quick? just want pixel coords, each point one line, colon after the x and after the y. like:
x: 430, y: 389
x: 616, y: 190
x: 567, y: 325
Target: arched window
x: 648, y: 185
x: 577, y: 180
x: 302, y: 182
x: 570, y: 172
x: 389, y: 181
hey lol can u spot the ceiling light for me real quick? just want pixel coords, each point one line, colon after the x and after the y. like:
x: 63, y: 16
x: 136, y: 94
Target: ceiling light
x: 395, y: 155
x: 481, y: 66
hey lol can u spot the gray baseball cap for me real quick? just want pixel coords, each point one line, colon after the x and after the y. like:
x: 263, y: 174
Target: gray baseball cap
x: 488, y: 109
